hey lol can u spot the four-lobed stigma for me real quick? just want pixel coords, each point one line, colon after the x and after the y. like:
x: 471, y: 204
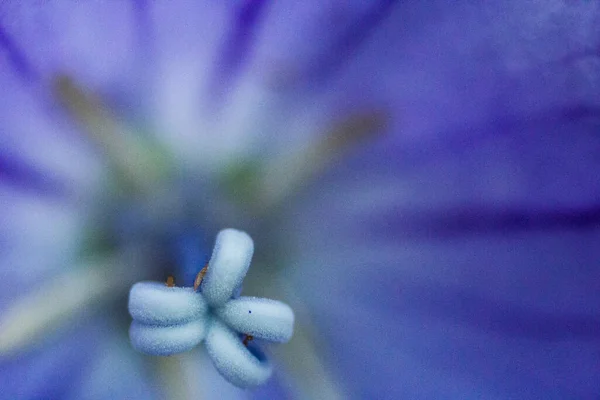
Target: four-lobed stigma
x: 168, y: 319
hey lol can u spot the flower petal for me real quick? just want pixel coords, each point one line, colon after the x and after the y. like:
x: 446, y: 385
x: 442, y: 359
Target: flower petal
x: 154, y: 303
x: 103, y: 32
x: 228, y: 266
x: 166, y: 340
x: 240, y: 365
x: 262, y: 318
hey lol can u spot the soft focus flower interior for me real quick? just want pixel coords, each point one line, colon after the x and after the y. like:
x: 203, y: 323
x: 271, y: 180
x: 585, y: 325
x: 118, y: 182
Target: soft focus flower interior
x: 419, y: 180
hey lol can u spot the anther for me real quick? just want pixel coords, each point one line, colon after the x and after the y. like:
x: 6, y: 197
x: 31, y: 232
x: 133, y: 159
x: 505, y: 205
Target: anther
x: 247, y: 339
x: 200, y: 276
x: 170, y: 281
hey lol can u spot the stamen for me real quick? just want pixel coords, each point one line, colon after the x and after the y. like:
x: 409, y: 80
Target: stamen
x: 200, y: 276
x: 285, y: 175
x: 301, y: 355
x: 178, y: 375
x: 132, y: 158
x: 248, y: 339
x: 72, y: 292
x: 170, y: 281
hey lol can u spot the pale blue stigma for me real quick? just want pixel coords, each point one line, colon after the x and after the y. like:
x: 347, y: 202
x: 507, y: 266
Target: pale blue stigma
x: 169, y: 320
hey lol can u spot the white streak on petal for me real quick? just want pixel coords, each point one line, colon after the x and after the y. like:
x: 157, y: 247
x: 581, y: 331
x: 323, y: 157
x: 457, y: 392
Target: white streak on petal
x: 154, y: 303
x: 237, y: 363
x: 228, y: 266
x: 262, y: 318
x: 167, y: 340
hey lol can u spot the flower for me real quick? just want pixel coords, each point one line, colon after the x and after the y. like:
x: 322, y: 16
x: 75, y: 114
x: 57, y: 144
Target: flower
x: 169, y: 320
x: 417, y: 174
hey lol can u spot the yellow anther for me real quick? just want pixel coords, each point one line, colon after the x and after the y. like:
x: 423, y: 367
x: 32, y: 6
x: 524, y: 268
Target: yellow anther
x: 200, y: 276
x: 247, y: 339
x: 170, y: 281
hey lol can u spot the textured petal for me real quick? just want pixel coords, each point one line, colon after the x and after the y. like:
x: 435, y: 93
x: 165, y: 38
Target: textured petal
x: 167, y: 340
x: 154, y: 303
x: 331, y: 32
x: 228, y: 266
x: 262, y: 318
x: 240, y: 365
x: 456, y: 64
x: 52, y: 365
x: 454, y: 297
x: 93, y: 41
x: 116, y: 371
x: 27, y: 122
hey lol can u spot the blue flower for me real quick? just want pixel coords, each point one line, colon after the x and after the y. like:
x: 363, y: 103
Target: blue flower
x: 169, y: 320
x: 418, y: 176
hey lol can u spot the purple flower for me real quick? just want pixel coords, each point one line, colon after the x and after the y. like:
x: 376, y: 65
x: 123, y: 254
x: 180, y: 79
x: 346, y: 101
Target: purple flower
x: 419, y: 180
